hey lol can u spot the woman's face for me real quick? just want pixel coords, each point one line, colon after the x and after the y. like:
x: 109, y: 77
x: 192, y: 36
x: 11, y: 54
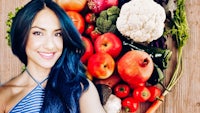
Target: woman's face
x: 45, y: 43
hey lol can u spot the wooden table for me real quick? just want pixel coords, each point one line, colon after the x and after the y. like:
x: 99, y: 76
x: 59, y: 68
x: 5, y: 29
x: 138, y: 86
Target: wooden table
x: 184, y: 98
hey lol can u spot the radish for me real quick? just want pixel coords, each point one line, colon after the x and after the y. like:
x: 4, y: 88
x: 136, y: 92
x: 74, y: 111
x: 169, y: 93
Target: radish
x: 97, y: 6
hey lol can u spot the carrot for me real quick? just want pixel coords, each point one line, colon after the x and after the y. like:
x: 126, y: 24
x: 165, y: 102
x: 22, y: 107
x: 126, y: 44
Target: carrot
x: 155, y: 104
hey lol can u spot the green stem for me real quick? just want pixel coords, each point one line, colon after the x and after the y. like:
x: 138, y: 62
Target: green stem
x: 178, y: 70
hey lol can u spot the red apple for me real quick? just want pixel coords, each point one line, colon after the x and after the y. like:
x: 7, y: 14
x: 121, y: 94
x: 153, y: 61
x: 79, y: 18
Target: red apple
x: 109, y: 43
x: 89, y: 49
x: 101, y: 65
x: 135, y: 67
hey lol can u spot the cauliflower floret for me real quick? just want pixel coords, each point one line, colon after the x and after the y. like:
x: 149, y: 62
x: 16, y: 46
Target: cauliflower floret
x: 141, y: 20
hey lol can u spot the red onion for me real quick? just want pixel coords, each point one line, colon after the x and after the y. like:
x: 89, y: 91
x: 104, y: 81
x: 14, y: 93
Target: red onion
x: 112, y: 3
x: 97, y: 6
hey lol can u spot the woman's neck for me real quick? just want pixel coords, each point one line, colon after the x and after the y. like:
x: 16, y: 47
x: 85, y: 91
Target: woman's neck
x: 38, y: 73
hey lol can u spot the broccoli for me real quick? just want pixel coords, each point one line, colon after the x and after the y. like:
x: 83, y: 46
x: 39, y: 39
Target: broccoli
x: 103, y: 14
x: 114, y: 10
x: 106, y: 22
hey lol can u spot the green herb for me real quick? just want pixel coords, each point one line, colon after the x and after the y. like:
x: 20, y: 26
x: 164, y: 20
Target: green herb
x: 11, y: 15
x: 180, y: 32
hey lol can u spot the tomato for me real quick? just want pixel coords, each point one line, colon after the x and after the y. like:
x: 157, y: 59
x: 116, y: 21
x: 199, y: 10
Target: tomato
x: 94, y: 34
x: 122, y: 90
x: 133, y: 86
x: 89, y: 29
x: 90, y: 18
x: 129, y: 105
x: 78, y: 20
x: 141, y: 93
x: 155, y: 93
x: 72, y: 5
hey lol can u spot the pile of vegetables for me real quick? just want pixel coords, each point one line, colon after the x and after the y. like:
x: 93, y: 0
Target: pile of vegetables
x: 136, y: 30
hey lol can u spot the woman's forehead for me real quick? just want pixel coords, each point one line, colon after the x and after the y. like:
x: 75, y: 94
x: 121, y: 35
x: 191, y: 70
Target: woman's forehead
x: 46, y: 18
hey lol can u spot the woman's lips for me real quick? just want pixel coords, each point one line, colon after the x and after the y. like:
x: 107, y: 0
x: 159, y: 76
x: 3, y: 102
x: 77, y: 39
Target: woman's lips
x: 47, y: 55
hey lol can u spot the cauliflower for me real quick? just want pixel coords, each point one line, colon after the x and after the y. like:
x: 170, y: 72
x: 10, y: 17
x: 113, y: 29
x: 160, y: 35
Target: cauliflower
x: 141, y: 20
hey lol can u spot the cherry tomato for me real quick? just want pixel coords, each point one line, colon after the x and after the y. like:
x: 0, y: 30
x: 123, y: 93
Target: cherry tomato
x: 94, y: 34
x: 130, y: 104
x: 78, y: 20
x: 155, y: 93
x: 122, y: 90
x: 72, y: 5
x: 141, y: 93
x: 90, y: 18
x: 89, y: 29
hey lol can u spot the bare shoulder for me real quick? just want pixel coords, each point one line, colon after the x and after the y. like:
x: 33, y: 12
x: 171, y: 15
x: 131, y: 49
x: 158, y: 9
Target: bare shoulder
x: 5, y: 94
x: 5, y: 90
x: 91, y: 90
x: 8, y: 92
x: 90, y: 101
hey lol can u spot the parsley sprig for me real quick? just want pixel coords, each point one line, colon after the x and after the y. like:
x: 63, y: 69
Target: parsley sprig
x: 11, y: 15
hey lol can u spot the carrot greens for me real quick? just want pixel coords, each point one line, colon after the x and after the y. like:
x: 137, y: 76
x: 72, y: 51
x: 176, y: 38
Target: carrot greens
x: 180, y: 32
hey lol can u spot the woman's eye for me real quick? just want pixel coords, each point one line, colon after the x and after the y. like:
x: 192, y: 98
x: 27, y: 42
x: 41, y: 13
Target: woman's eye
x: 37, y: 33
x: 58, y: 34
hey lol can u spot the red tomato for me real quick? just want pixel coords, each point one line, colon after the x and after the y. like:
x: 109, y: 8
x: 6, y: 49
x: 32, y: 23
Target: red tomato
x: 122, y: 90
x: 141, y: 93
x: 155, y: 93
x: 94, y: 34
x: 133, y: 86
x: 72, y: 5
x: 78, y: 20
x: 89, y: 29
x: 129, y: 105
x: 90, y: 18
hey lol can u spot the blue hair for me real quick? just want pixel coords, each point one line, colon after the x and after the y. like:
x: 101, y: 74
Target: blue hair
x: 67, y: 78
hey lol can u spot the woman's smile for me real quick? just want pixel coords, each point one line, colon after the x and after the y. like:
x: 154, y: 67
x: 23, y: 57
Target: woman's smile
x: 47, y: 55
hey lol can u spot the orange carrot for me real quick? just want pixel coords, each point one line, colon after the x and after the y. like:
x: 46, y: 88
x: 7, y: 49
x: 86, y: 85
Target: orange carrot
x: 155, y: 105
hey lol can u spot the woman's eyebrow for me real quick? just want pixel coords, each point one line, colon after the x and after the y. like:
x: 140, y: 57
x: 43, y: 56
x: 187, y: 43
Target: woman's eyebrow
x: 59, y: 29
x: 37, y: 27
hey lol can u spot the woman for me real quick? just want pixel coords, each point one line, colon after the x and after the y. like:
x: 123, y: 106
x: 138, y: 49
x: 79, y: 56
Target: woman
x: 44, y: 39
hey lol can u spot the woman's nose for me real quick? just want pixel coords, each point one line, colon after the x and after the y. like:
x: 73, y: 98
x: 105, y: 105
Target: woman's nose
x: 49, y: 43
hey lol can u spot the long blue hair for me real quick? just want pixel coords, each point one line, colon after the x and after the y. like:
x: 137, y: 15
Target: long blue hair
x: 67, y: 78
